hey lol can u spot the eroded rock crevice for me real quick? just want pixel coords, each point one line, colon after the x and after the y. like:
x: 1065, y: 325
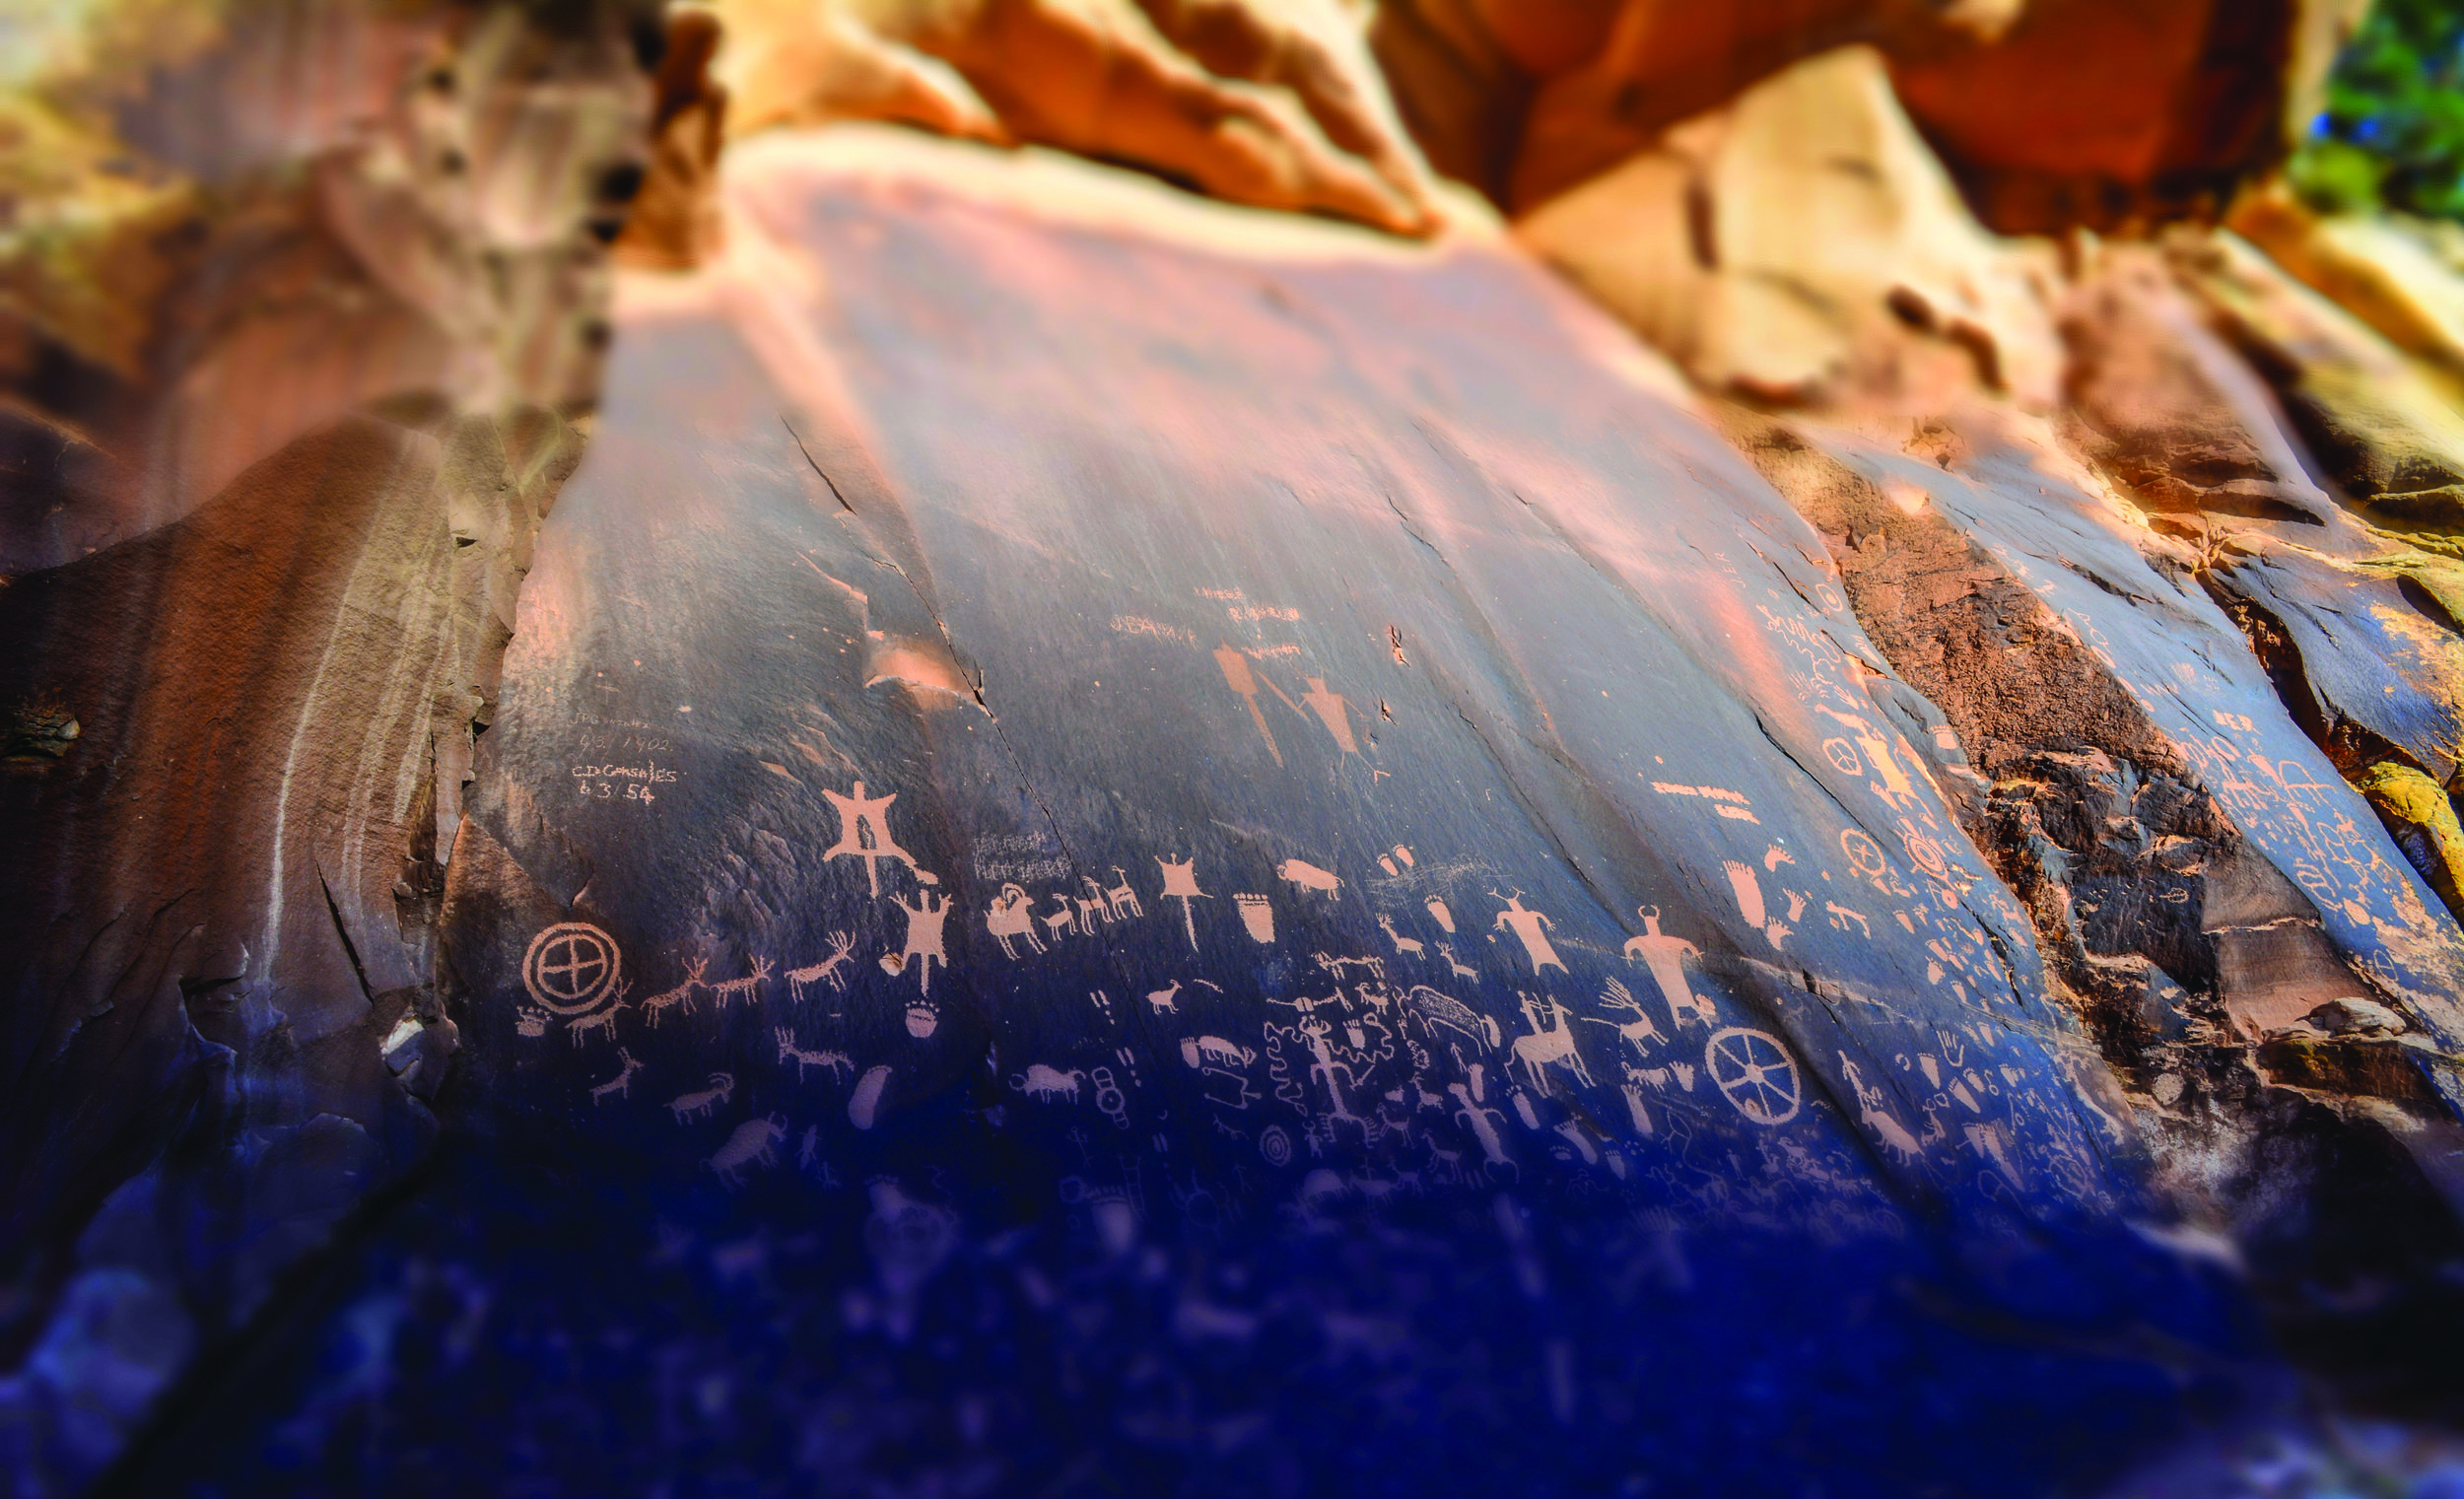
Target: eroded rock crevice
x: 2255, y: 1055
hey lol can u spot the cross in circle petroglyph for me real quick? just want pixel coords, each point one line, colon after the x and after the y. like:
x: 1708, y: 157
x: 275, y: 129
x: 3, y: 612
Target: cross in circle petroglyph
x: 1753, y: 1071
x: 571, y: 967
x: 865, y: 832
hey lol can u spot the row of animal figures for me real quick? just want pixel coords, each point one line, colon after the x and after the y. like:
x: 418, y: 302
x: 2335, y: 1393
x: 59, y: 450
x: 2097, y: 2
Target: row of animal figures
x: 1013, y: 916
x: 654, y: 1007
x: 698, y: 1105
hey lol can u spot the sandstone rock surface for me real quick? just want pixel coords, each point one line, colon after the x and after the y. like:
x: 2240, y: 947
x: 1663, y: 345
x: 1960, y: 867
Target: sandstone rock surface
x: 986, y: 828
x: 1471, y: 822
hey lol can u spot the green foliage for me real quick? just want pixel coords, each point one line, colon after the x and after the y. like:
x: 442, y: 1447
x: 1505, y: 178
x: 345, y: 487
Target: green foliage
x: 2393, y: 129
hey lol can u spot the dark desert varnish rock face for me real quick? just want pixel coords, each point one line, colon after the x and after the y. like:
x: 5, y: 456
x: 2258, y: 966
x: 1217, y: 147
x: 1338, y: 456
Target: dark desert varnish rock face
x: 1094, y: 867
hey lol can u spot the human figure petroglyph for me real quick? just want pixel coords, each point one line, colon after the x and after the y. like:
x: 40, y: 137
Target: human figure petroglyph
x: 1404, y: 945
x: 602, y: 1023
x: 924, y: 921
x: 1045, y: 1084
x: 1330, y: 707
x: 1323, y: 1069
x: 619, y: 1087
x: 1238, y: 677
x: 864, y: 833
x: 1011, y: 917
x: 722, y: 1087
x: 1478, y: 1119
x: 681, y: 995
x: 755, y: 1143
x: 1665, y: 957
x: 747, y: 987
x: 1533, y: 928
x: 1637, y: 1031
x: 1548, y: 1042
x: 842, y: 953
x: 1180, y: 883
x: 836, y: 1061
x: 1309, y: 876
x: 808, y: 1149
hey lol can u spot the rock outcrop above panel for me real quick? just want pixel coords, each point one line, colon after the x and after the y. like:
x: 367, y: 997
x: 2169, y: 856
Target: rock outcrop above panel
x: 1803, y: 243
x: 2051, y: 112
x: 1278, y: 106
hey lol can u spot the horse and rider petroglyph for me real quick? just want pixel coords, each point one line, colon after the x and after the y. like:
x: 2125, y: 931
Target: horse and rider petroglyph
x: 1547, y: 1044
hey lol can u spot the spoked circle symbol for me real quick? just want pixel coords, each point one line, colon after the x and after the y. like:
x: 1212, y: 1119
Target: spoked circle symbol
x: 1753, y: 1071
x: 571, y: 967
